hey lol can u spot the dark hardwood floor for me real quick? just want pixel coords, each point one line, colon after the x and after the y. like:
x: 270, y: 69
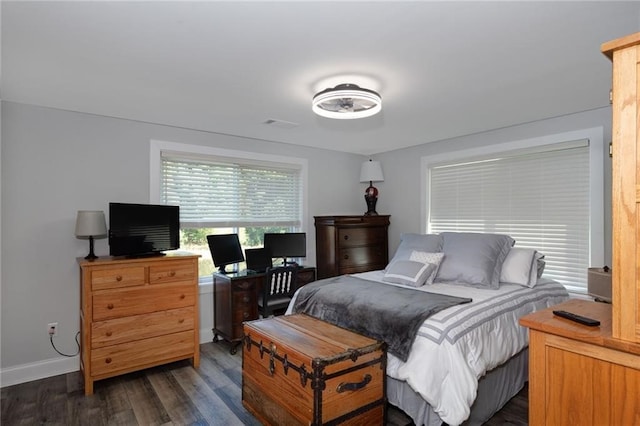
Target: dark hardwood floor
x: 174, y: 394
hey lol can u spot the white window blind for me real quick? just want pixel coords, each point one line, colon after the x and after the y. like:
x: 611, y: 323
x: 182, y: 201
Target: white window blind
x: 541, y: 199
x: 227, y: 192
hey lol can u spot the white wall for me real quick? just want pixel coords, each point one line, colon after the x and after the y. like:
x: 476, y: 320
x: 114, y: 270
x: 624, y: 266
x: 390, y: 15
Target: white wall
x: 400, y: 193
x: 57, y: 162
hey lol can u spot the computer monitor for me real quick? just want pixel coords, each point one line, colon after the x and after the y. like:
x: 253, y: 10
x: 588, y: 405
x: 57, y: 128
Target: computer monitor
x: 287, y: 245
x: 258, y: 259
x: 225, y: 250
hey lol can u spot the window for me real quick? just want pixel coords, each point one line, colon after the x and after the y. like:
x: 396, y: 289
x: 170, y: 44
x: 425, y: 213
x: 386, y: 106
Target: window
x: 222, y: 191
x: 541, y: 196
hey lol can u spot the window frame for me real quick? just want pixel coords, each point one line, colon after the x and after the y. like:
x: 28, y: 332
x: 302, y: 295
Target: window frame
x: 158, y: 147
x: 595, y: 136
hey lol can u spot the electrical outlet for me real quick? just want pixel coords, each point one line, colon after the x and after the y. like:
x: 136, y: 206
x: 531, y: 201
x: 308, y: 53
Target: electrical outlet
x: 52, y: 328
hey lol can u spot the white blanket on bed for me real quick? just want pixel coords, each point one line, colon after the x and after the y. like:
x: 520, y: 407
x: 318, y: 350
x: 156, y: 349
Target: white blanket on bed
x: 457, y: 346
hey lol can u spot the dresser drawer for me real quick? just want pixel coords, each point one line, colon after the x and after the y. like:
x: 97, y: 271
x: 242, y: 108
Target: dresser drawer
x: 132, y: 355
x: 164, y: 272
x: 102, y: 279
x: 353, y: 237
x: 243, y: 285
x: 361, y: 256
x: 138, y: 327
x: 126, y: 302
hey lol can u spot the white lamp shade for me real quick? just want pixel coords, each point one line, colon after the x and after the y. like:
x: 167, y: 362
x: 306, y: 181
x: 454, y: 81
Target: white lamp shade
x: 90, y: 223
x: 371, y: 171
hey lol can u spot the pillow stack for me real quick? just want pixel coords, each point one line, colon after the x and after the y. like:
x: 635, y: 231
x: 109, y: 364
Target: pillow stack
x: 466, y: 258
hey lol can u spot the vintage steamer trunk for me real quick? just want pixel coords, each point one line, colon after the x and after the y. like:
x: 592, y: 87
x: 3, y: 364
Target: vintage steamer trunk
x: 298, y: 370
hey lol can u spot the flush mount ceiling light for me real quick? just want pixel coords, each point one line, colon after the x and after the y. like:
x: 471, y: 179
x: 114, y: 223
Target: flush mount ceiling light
x: 347, y: 101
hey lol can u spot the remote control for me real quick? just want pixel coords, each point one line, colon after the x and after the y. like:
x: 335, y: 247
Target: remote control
x: 577, y: 318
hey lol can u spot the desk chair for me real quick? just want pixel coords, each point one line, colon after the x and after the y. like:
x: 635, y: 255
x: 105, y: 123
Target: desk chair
x: 277, y: 291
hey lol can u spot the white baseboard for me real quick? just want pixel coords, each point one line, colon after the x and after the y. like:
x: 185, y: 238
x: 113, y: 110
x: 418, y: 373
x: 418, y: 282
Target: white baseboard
x: 38, y: 370
x: 52, y: 367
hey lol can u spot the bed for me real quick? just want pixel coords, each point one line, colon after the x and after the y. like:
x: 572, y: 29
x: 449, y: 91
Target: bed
x: 467, y: 359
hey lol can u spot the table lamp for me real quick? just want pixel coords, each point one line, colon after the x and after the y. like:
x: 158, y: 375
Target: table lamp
x: 91, y: 224
x: 371, y: 171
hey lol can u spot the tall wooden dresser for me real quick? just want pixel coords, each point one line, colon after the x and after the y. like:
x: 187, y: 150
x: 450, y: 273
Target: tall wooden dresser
x: 351, y: 244
x: 137, y: 313
x: 591, y: 375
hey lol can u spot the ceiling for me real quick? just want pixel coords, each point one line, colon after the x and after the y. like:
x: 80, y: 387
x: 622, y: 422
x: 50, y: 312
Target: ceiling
x: 443, y: 69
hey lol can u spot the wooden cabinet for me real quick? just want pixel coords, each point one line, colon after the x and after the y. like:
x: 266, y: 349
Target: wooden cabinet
x: 351, y: 244
x: 625, y: 99
x: 137, y: 313
x: 235, y: 300
x: 581, y: 375
x: 591, y: 375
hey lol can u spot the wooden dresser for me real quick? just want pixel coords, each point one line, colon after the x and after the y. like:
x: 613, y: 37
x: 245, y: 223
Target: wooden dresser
x: 581, y: 375
x: 351, y: 244
x: 137, y: 313
x: 235, y: 300
x: 625, y: 208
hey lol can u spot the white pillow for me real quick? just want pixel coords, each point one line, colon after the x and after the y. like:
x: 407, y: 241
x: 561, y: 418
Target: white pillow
x: 520, y: 267
x: 425, y: 257
x: 408, y: 272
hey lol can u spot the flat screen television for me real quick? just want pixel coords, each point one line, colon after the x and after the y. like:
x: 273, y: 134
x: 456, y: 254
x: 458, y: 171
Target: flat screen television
x: 225, y: 250
x: 286, y: 245
x: 143, y: 229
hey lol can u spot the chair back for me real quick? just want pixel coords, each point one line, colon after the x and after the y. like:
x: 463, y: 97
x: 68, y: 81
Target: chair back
x: 280, y: 281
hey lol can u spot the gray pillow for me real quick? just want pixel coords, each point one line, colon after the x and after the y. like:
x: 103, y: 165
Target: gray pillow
x: 473, y: 258
x: 430, y: 243
x: 408, y: 272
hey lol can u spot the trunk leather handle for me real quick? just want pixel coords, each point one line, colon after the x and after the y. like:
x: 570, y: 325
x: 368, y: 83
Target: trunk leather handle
x: 343, y: 387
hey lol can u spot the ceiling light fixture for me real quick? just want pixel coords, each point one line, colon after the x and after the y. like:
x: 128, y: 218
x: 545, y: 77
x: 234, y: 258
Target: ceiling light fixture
x: 347, y: 101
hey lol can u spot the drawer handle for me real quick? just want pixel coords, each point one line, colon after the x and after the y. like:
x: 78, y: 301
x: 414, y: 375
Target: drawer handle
x: 110, y: 306
x: 108, y: 360
x: 346, y: 257
x: 181, y: 320
x: 245, y: 299
x: 119, y: 278
x: 343, y: 387
x: 182, y: 296
x: 172, y: 273
x: 346, y: 237
x: 245, y: 314
x: 108, y: 333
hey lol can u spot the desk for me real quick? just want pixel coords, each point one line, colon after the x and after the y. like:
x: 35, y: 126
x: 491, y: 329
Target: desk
x: 235, y: 300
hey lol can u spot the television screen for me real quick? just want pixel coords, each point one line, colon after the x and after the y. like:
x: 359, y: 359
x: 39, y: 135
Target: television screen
x: 143, y: 229
x: 225, y: 250
x: 287, y: 245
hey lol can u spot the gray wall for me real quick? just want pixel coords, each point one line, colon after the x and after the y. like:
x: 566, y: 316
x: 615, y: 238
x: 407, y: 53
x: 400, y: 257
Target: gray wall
x: 400, y: 191
x: 57, y: 162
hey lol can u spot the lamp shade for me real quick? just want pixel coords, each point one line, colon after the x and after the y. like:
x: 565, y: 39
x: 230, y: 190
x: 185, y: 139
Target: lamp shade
x: 90, y: 223
x: 371, y: 171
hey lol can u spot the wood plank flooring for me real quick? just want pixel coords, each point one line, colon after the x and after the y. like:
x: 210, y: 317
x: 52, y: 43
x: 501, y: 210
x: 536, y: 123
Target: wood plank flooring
x: 173, y: 394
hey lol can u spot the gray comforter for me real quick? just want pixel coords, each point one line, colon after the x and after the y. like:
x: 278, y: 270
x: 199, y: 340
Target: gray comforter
x: 380, y: 311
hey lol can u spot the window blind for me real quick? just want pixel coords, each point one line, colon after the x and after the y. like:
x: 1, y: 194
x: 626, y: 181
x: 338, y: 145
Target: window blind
x: 541, y: 199
x: 227, y: 192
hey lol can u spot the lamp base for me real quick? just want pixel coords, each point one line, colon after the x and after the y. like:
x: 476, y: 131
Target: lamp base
x: 371, y: 197
x: 91, y: 255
